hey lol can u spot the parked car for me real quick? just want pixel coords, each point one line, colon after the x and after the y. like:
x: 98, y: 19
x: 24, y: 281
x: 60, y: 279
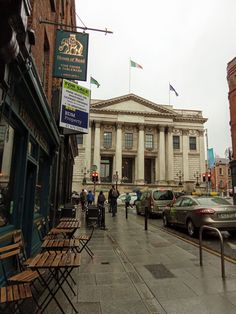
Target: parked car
x: 121, y: 198
x: 155, y: 200
x: 191, y: 212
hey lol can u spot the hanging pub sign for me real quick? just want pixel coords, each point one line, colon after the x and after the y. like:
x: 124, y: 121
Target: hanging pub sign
x: 71, y: 55
x: 75, y: 102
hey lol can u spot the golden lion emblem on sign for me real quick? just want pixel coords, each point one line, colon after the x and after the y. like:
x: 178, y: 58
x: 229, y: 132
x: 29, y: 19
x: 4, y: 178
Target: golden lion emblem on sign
x: 71, y: 46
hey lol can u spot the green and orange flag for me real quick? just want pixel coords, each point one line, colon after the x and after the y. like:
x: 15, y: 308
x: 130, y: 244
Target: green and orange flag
x: 135, y: 65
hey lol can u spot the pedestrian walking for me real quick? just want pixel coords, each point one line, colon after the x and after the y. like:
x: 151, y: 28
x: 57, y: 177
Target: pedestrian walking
x: 90, y: 198
x: 83, y: 199
x: 127, y: 201
x: 113, y: 195
x: 100, y: 203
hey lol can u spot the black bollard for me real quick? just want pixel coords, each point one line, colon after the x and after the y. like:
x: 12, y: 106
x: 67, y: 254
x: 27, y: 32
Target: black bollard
x: 146, y: 217
x: 126, y: 211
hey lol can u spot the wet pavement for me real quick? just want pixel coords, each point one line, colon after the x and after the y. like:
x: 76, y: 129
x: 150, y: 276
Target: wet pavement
x: 136, y: 271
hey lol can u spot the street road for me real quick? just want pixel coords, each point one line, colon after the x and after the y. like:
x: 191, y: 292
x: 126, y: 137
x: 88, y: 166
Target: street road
x: 210, y: 239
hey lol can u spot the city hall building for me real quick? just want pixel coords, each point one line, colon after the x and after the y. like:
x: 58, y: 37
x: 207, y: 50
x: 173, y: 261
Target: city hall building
x: 135, y: 142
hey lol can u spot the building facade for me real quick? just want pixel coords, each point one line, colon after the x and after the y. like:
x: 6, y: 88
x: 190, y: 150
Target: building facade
x: 221, y: 180
x: 231, y: 78
x: 135, y: 142
x: 36, y: 159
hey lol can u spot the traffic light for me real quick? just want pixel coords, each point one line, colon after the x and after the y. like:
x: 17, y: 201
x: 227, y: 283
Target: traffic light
x: 209, y: 177
x: 204, y: 177
x: 95, y: 176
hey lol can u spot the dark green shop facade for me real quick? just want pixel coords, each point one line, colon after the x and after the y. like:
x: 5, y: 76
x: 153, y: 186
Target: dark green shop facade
x: 29, y: 152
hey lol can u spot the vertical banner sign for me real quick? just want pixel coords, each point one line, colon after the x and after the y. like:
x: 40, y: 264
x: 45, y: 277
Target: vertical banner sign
x: 71, y: 55
x: 75, y: 102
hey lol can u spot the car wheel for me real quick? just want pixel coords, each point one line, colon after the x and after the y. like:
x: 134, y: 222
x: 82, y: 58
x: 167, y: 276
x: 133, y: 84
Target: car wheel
x: 165, y: 221
x: 191, y: 228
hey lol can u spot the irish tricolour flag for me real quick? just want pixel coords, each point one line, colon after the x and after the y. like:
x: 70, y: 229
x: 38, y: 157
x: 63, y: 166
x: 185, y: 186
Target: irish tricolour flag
x: 135, y: 65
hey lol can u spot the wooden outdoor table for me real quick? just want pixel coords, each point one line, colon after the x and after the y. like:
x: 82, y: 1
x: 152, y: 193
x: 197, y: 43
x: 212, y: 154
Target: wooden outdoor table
x: 60, y: 266
x: 61, y: 244
x: 69, y: 225
x: 69, y: 219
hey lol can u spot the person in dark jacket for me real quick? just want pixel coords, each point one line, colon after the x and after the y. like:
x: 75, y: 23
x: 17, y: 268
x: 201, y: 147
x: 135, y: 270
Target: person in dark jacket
x: 113, y: 195
x: 101, y: 205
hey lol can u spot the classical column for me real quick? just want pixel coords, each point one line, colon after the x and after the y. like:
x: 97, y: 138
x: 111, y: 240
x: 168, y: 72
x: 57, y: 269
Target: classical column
x: 118, y: 155
x: 170, y: 155
x: 140, y: 156
x: 161, y: 155
x: 87, y: 153
x: 96, y: 152
x: 202, y: 152
x: 185, y: 150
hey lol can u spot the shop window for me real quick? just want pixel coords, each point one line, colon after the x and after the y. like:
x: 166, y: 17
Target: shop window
x: 149, y: 141
x: 7, y: 135
x: 192, y: 143
x: 176, y: 142
x: 128, y: 140
x: 107, y: 139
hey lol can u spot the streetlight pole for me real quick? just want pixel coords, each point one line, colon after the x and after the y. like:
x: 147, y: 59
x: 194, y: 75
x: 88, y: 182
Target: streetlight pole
x: 179, y: 175
x: 197, y: 176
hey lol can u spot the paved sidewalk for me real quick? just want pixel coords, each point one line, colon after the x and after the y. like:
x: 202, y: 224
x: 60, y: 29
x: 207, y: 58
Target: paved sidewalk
x: 139, y: 272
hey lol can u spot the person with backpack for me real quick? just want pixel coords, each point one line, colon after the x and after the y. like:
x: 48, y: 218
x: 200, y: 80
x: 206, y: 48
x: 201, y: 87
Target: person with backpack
x: 113, y: 195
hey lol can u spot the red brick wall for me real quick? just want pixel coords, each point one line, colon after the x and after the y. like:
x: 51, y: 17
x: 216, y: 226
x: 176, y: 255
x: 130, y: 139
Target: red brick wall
x: 42, y: 10
x: 231, y: 77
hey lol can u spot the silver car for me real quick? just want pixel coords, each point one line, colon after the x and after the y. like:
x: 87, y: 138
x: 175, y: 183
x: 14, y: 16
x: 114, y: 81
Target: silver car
x: 191, y: 212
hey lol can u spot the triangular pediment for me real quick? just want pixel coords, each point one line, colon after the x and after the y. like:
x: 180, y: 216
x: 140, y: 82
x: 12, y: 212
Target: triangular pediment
x: 133, y: 104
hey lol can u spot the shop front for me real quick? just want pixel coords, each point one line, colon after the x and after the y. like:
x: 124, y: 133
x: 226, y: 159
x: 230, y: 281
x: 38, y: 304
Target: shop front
x: 29, y: 142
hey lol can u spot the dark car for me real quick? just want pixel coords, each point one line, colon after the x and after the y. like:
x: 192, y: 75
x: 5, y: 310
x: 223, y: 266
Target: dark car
x: 191, y: 212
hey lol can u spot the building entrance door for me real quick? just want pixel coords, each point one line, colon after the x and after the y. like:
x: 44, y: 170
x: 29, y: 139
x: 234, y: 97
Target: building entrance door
x: 127, y: 170
x: 149, y: 170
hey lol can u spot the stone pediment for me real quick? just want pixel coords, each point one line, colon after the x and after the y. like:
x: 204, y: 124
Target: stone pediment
x: 131, y: 104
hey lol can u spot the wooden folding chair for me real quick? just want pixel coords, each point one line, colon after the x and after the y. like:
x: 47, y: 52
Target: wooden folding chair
x: 22, y: 276
x: 14, y: 296
x: 84, y: 240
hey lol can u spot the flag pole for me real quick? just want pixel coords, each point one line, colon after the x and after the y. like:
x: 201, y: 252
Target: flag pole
x: 169, y: 93
x: 129, y: 74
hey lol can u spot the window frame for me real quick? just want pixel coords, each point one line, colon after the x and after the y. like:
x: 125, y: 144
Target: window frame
x: 107, y: 139
x: 129, y: 140
x: 148, y: 136
x: 176, y: 144
x: 192, y: 145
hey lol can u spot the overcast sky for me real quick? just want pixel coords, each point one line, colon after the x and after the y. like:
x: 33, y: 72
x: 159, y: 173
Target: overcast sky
x: 187, y: 43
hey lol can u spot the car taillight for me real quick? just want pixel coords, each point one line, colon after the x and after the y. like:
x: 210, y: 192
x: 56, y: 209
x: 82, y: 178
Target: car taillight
x: 205, y: 211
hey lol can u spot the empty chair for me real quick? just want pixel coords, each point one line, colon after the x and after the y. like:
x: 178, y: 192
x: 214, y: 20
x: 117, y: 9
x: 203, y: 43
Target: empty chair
x: 13, y: 296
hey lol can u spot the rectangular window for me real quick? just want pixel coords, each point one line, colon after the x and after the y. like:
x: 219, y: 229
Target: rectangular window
x: 220, y: 171
x: 148, y: 141
x: 176, y: 142
x: 192, y: 143
x: 79, y: 138
x: 128, y: 140
x: 107, y: 139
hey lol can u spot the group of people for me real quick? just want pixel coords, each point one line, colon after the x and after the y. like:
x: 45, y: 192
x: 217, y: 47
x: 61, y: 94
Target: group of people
x: 88, y: 198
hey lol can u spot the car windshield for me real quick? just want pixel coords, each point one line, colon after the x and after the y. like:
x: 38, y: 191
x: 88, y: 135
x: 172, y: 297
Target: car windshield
x: 162, y: 195
x: 213, y: 201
